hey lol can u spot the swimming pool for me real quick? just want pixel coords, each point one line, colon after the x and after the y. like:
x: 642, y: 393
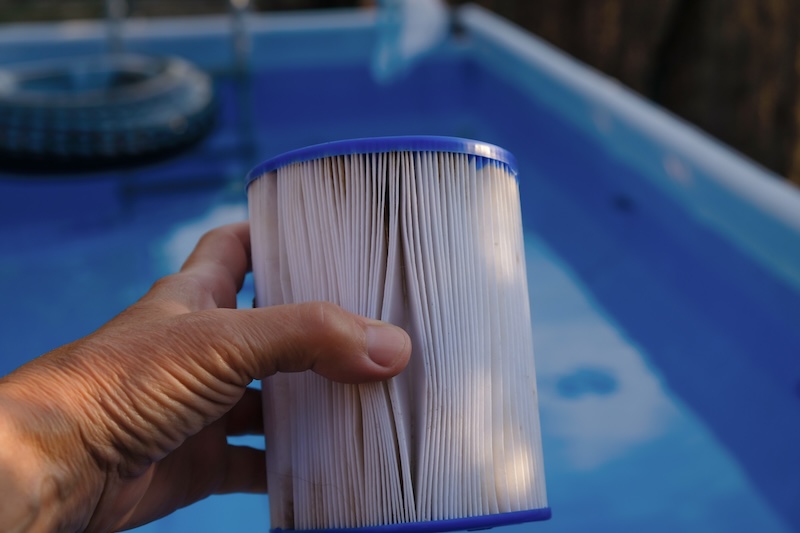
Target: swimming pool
x: 664, y: 269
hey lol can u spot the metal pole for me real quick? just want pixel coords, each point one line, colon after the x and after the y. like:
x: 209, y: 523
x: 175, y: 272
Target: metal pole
x: 116, y: 11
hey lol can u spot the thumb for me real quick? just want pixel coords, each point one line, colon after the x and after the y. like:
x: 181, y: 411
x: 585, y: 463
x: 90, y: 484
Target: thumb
x: 318, y: 336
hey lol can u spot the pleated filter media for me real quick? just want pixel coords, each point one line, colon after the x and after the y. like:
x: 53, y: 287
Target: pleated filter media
x: 425, y: 233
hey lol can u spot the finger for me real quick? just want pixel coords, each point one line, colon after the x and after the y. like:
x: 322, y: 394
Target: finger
x: 319, y: 336
x: 220, y: 261
x: 246, y: 471
x: 246, y: 417
x: 213, y: 273
x: 177, y: 482
x: 227, y: 246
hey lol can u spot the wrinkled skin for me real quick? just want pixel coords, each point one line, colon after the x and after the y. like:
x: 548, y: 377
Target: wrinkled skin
x: 131, y: 423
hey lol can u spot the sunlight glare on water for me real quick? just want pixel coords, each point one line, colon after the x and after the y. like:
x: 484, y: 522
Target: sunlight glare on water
x: 620, y: 448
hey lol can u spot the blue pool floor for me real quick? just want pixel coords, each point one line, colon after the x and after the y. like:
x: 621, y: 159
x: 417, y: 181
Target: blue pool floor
x: 622, y: 451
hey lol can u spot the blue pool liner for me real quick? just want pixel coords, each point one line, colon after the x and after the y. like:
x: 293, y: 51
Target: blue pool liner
x: 485, y: 152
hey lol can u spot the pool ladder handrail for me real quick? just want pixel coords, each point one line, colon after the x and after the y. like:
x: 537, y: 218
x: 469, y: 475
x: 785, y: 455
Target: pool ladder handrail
x: 117, y: 11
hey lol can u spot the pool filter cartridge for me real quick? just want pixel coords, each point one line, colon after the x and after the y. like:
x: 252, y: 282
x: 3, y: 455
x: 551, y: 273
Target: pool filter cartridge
x: 425, y: 233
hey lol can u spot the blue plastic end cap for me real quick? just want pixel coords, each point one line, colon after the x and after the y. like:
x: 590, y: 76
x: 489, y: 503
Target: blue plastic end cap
x: 473, y: 523
x: 374, y: 145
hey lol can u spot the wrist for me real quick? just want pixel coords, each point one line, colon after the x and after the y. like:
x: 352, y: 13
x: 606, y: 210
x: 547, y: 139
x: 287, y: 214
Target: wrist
x: 24, y: 494
x: 39, y: 490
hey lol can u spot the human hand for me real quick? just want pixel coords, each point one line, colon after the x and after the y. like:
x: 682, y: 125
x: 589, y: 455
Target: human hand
x: 131, y: 423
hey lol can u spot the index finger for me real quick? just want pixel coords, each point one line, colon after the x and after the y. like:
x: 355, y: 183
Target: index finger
x: 218, y: 264
x: 211, y: 276
x: 226, y: 246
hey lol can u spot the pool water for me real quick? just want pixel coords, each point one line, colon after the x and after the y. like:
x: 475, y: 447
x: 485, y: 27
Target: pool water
x: 623, y: 451
x: 667, y: 355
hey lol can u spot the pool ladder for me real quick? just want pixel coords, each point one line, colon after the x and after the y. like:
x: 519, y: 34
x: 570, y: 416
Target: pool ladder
x: 117, y: 10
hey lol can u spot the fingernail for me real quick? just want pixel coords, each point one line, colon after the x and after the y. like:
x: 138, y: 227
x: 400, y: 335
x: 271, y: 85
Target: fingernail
x: 385, y: 343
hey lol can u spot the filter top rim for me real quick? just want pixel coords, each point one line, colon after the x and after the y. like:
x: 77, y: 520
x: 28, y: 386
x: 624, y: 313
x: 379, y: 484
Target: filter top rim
x: 375, y: 145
